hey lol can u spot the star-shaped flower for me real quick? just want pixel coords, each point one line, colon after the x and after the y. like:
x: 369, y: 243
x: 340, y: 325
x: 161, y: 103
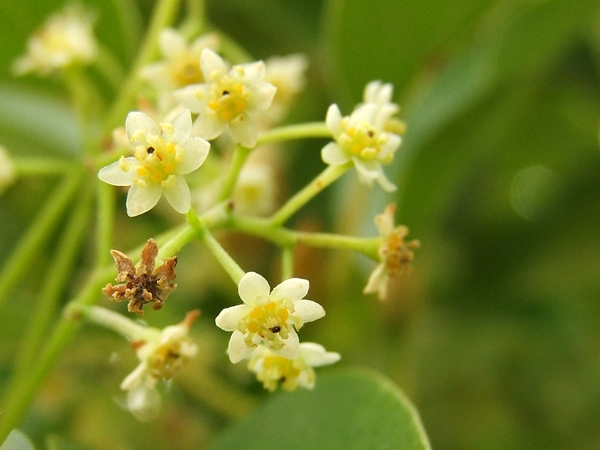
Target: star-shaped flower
x: 142, y: 284
x: 268, y: 318
x: 272, y: 369
x: 161, y: 157
x: 394, y: 253
x: 228, y: 99
x: 64, y: 39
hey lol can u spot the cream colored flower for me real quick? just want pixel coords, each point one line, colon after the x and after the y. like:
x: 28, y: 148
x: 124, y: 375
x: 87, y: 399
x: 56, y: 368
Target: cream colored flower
x: 161, y: 157
x: 268, y: 318
x: 394, y: 253
x: 229, y: 99
x: 362, y: 139
x: 272, y: 369
x: 65, y: 38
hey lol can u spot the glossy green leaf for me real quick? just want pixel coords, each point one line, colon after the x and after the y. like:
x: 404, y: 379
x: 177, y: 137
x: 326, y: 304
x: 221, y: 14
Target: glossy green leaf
x: 346, y: 410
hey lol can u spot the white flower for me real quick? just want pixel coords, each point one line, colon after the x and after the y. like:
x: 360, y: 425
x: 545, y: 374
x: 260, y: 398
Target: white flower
x: 161, y: 157
x: 180, y: 65
x: 144, y: 403
x: 286, y: 73
x: 395, y: 254
x: 381, y: 95
x: 161, y: 354
x: 256, y: 190
x: 64, y: 39
x: 8, y: 173
x: 228, y: 99
x: 361, y: 138
x: 268, y: 318
x: 271, y: 368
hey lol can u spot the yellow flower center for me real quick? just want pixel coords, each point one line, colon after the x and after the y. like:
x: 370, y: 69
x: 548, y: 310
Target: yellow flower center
x: 276, y: 369
x: 185, y: 70
x: 157, y: 160
x: 229, y: 98
x: 363, y: 141
x: 397, y: 254
x: 269, y: 322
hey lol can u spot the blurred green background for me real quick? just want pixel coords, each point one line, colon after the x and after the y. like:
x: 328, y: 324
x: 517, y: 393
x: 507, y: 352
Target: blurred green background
x: 496, y: 335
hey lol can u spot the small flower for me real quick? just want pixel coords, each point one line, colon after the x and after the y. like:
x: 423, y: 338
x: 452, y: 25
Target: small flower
x: 286, y: 73
x: 268, y: 318
x: 180, y: 65
x: 65, y: 38
x: 161, y: 157
x: 361, y: 138
x: 161, y: 354
x: 8, y: 173
x: 142, y: 284
x: 228, y: 99
x: 271, y: 368
x: 256, y: 189
x: 395, y: 254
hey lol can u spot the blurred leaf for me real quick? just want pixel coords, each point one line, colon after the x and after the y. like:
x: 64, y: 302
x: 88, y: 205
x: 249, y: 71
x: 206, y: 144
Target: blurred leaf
x: 17, y: 440
x: 346, y: 410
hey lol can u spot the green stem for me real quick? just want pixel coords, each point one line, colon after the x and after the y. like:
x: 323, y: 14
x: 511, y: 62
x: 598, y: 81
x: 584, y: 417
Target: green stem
x: 117, y: 323
x: 164, y: 15
x: 231, y: 267
x: 54, y: 285
x: 240, y: 154
x: 104, y: 222
x: 33, y: 165
x: 130, y: 21
x: 291, y: 132
x: 109, y: 67
x: 195, y: 21
x: 232, y: 50
x: 287, y: 263
x: 39, y: 232
x: 324, y: 179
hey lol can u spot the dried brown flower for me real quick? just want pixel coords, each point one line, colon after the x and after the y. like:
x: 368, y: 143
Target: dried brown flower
x: 142, y: 284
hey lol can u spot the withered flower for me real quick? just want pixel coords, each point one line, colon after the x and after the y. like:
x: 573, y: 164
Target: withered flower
x: 142, y: 284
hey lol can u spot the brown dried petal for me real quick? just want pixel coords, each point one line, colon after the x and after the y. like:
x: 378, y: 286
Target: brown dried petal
x: 125, y: 268
x: 148, y: 256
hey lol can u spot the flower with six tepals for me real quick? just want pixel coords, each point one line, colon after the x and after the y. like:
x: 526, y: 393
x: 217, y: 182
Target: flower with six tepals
x: 272, y: 369
x: 162, y: 155
x: 228, y: 99
x: 268, y: 318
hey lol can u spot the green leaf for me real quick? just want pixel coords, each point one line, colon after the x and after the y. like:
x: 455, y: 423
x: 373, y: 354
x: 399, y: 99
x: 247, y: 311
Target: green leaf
x: 347, y: 410
x: 17, y: 440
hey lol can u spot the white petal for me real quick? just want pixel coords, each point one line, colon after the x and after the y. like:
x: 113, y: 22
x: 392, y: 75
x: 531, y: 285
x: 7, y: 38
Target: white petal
x: 208, y: 126
x: 291, y: 346
x: 113, y: 174
x: 182, y: 128
x: 333, y: 120
x: 211, y: 62
x: 172, y: 43
x: 253, y: 72
x: 192, y: 97
x: 194, y: 153
x: 139, y: 121
x: 229, y: 318
x: 253, y: 287
x: 377, y: 280
x: 243, y: 130
x: 364, y: 113
x: 262, y: 97
x: 308, y: 310
x: 368, y: 170
x: 386, y: 184
x: 315, y: 355
x: 292, y: 289
x: 237, y: 348
x: 142, y: 199
x: 333, y: 154
x: 178, y: 194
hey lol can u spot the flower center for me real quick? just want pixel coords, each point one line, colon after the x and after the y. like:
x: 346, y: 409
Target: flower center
x: 229, y: 98
x: 398, y: 254
x: 362, y: 140
x: 157, y: 160
x: 277, y: 369
x: 267, y: 324
x: 186, y: 70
